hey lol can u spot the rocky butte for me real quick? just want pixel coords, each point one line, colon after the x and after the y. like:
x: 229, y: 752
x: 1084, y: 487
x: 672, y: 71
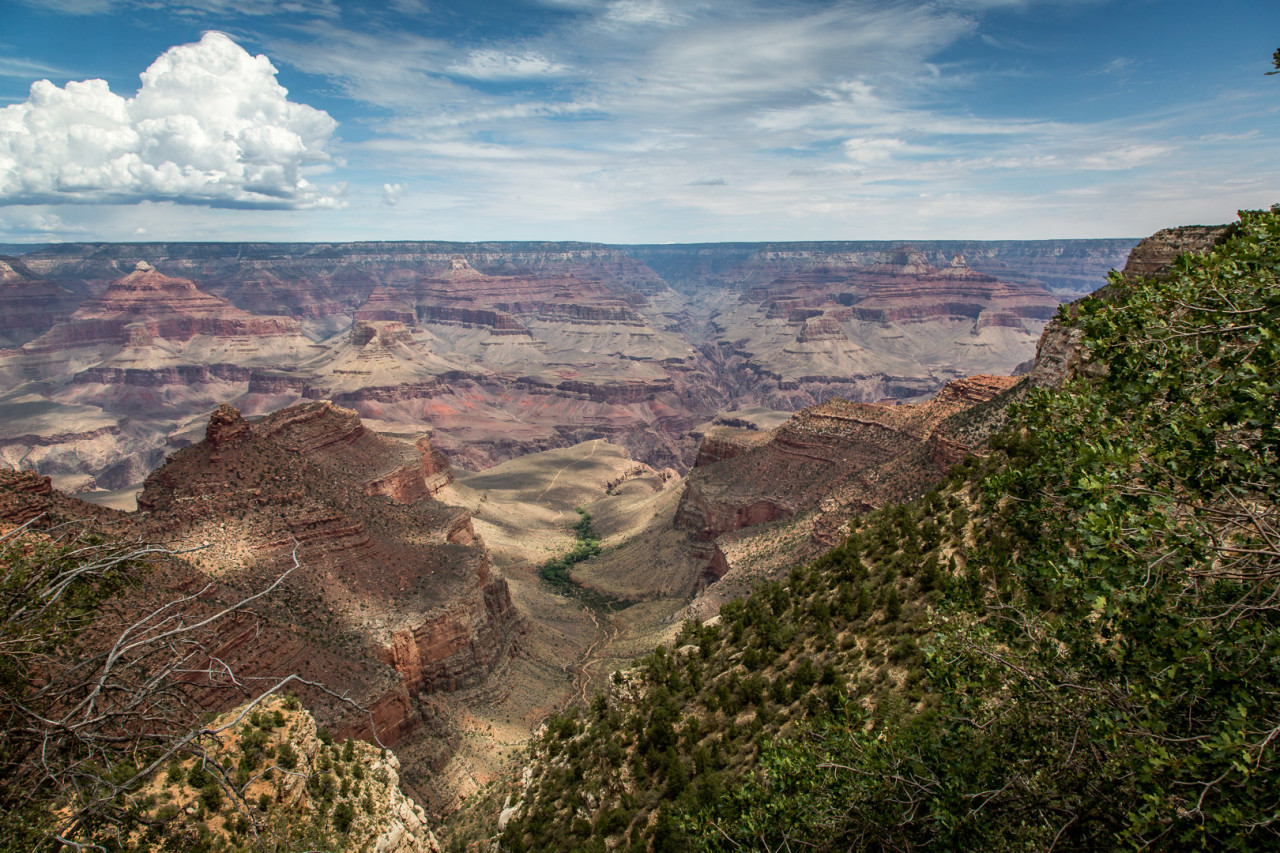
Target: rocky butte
x: 393, y: 600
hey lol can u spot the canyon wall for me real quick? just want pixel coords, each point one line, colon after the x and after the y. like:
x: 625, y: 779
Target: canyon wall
x: 384, y: 596
x: 118, y: 351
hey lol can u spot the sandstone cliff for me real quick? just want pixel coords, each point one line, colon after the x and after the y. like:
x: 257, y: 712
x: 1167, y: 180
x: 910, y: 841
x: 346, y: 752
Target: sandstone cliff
x: 29, y: 305
x: 384, y: 567
x: 839, y: 456
x: 393, y: 599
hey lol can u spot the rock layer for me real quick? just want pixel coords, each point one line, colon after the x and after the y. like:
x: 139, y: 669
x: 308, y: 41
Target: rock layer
x: 840, y: 456
x: 392, y: 599
x: 500, y: 348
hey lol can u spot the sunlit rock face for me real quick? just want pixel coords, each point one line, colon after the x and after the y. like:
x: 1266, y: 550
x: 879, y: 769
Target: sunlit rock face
x: 402, y: 578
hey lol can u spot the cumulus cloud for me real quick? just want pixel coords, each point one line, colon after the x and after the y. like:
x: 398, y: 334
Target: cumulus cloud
x: 391, y: 194
x: 210, y: 125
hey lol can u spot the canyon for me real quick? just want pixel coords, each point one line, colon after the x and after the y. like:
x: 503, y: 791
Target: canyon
x: 116, y: 353
x: 380, y: 593
x: 416, y: 425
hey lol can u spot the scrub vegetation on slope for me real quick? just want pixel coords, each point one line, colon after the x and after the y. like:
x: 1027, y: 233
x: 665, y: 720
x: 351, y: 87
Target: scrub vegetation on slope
x: 1070, y: 644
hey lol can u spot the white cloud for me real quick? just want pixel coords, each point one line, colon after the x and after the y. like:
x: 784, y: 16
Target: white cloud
x: 1127, y: 157
x: 193, y: 8
x: 210, y: 125
x: 496, y: 65
x: 639, y: 12
x: 41, y: 224
x: 24, y: 69
x: 73, y: 7
x: 391, y: 194
x: 870, y: 151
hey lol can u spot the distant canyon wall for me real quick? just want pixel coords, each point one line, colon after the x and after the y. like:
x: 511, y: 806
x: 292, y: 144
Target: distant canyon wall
x: 112, y: 355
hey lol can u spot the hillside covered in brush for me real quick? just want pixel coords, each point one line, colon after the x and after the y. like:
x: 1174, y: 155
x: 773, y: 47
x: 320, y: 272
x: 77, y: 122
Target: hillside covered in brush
x: 1072, y: 643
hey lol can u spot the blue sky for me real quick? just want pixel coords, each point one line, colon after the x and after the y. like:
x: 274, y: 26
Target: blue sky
x: 632, y: 120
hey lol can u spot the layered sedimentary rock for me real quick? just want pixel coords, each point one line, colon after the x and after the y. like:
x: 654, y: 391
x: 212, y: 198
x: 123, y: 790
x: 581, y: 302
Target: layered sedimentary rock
x: 1066, y: 267
x: 390, y: 603
x: 499, y: 348
x: 144, y: 306
x: 722, y: 441
x: 29, y: 305
x: 1157, y: 253
x: 866, y: 329
x: 841, y: 456
x: 129, y: 372
x: 395, y: 586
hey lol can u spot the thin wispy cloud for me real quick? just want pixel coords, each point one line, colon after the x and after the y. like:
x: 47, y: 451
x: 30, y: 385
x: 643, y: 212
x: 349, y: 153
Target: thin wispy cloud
x: 499, y: 65
x: 646, y: 120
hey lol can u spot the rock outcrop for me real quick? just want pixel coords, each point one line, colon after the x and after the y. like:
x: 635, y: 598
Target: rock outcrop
x: 381, y: 561
x: 146, y: 306
x: 1156, y: 253
x: 30, y: 305
x: 838, y: 456
x: 393, y: 597
x: 300, y: 797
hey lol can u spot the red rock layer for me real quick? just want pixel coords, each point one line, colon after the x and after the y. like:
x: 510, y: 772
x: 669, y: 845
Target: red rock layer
x: 145, y: 306
x: 725, y: 442
x: 901, y: 287
x: 383, y: 305
x: 29, y: 305
x: 386, y: 572
x: 258, y: 649
x: 859, y: 454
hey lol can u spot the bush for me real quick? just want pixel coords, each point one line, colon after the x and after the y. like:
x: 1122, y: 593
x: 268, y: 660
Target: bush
x: 286, y: 756
x: 343, y: 816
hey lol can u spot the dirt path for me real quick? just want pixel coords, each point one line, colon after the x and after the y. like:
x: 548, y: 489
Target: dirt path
x: 556, y: 476
x: 593, y: 653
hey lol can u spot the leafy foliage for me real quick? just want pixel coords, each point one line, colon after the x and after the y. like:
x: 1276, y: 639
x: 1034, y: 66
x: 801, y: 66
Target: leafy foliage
x: 1111, y: 679
x: 556, y: 571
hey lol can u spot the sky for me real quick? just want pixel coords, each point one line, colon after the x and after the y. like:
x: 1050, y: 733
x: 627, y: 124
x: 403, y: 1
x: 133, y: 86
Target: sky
x: 633, y: 121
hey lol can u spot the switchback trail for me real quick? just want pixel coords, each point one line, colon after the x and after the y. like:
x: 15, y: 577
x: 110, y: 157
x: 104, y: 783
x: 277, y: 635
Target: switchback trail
x: 581, y: 670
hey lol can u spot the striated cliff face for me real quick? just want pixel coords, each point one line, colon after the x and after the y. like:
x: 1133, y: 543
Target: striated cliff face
x: 499, y: 348
x: 1156, y: 253
x: 867, y: 326
x: 722, y: 442
x: 839, y: 456
x: 1071, y: 267
x: 382, y: 562
x: 393, y: 600
x: 146, y: 306
x: 29, y: 305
